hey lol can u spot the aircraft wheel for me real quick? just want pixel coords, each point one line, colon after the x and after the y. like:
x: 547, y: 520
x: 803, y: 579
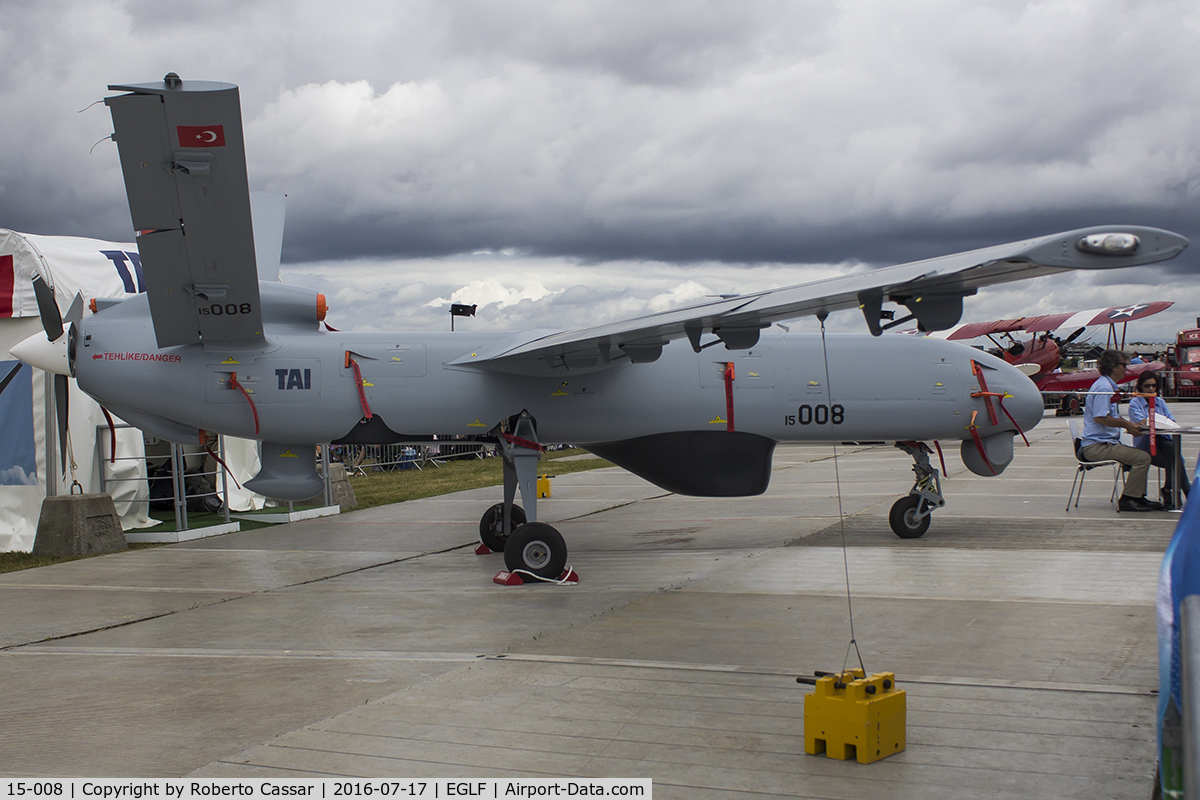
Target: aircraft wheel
x: 903, y: 518
x: 491, y: 526
x: 538, y: 548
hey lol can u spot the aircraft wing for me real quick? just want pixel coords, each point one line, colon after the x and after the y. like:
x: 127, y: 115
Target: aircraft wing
x: 184, y: 163
x: 932, y: 290
x: 1064, y: 382
x: 1082, y: 380
x: 1071, y: 319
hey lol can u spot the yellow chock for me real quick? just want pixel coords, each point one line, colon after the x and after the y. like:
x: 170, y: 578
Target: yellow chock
x: 543, y: 485
x: 861, y: 718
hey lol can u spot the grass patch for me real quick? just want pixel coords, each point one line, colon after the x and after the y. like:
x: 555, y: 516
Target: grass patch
x: 396, y: 486
x: 14, y: 562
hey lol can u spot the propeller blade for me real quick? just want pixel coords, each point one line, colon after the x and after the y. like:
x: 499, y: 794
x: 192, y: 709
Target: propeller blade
x: 1074, y: 336
x: 75, y: 312
x: 8, y: 378
x: 61, y: 387
x: 52, y: 322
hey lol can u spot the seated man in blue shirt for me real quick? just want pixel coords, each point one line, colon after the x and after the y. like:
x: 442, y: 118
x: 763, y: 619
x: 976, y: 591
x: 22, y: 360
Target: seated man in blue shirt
x: 1102, y: 426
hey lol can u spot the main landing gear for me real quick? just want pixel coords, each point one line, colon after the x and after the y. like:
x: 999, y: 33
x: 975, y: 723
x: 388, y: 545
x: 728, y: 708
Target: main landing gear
x: 528, y: 545
x: 911, y: 514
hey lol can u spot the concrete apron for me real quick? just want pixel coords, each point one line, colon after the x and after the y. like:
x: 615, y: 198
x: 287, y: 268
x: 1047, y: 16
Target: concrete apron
x: 375, y: 643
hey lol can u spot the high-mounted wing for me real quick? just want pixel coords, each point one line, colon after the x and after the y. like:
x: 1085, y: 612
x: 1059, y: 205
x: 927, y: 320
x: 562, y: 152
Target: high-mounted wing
x: 184, y: 163
x: 932, y: 290
x: 1071, y: 319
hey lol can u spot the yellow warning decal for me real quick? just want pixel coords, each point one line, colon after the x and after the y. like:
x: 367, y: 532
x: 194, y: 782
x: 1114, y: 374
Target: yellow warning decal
x: 717, y: 421
x: 752, y: 374
x: 367, y: 383
x: 477, y: 424
x: 230, y: 360
x: 288, y: 454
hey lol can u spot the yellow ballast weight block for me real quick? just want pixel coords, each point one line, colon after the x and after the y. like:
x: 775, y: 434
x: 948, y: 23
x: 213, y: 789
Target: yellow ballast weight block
x: 543, y: 485
x: 862, y: 718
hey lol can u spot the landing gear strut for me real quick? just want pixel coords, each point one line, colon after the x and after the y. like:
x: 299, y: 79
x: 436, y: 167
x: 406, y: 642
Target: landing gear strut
x: 528, y: 545
x: 910, y: 515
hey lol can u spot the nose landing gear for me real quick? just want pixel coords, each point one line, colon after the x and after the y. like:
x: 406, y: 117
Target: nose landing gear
x: 910, y: 515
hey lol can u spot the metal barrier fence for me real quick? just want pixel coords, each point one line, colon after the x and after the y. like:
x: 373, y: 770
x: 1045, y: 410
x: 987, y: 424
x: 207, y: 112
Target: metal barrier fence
x: 179, y: 475
x: 358, y: 460
x: 361, y: 459
x: 177, y: 479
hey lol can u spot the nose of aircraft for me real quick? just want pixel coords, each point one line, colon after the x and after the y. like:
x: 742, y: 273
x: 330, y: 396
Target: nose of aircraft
x: 40, y: 352
x: 1025, y: 404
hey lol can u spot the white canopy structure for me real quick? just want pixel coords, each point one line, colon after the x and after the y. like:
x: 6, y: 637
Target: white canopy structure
x: 31, y: 466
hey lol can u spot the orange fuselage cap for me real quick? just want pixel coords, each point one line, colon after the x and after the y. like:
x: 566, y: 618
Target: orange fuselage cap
x: 322, y: 308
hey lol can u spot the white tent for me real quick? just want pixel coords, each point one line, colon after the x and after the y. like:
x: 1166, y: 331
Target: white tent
x: 72, y: 266
x: 30, y: 465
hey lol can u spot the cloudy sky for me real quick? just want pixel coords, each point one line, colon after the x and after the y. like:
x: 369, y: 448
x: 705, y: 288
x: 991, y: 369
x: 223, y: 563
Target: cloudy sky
x: 570, y: 163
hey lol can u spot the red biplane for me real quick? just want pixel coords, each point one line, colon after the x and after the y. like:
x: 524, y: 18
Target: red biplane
x: 1041, y: 357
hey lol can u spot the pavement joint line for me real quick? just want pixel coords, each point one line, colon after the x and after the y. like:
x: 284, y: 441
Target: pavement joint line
x: 216, y: 653
x: 113, y: 626
x: 618, y: 505
x: 584, y: 772
x: 932, y: 680
x: 113, y: 588
x: 624, y: 738
x: 323, y: 773
x: 147, y: 618
x: 402, y: 759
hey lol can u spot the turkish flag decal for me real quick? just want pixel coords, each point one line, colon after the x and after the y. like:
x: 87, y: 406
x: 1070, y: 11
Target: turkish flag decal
x: 201, y: 135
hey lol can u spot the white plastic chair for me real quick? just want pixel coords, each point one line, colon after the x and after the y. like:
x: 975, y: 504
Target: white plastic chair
x: 1083, y: 466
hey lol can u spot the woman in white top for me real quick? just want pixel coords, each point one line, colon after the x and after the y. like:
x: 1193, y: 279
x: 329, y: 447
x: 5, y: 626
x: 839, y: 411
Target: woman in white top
x: 1165, y: 455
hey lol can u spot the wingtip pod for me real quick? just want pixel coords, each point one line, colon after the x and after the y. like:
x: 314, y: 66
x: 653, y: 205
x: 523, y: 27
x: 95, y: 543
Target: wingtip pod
x: 1107, y: 247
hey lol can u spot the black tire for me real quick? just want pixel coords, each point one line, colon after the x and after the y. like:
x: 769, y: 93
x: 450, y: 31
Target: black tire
x: 903, y: 518
x: 538, y: 548
x: 491, y: 526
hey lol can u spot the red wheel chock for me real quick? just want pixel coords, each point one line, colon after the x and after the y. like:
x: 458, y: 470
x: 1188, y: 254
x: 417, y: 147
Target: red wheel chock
x: 483, y: 550
x: 505, y: 578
